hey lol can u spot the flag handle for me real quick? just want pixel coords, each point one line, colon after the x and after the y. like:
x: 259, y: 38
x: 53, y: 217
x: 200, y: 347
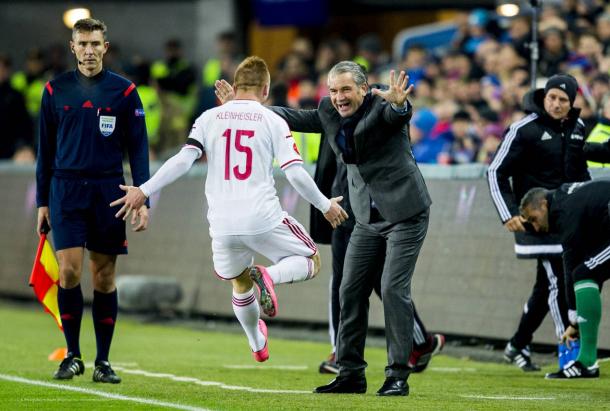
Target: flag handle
x: 45, y: 227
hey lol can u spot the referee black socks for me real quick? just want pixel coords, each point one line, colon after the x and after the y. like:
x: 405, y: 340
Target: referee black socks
x: 104, y: 309
x: 70, y: 303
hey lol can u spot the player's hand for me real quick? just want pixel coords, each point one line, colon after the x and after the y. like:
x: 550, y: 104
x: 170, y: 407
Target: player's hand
x: 570, y: 335
x: 43, y: 217
x: 132, y: 202
x: 515, y: 224
x: 224, y: 91
x: 398, y: 91
x: 335, y: 214
x: 142, y: 216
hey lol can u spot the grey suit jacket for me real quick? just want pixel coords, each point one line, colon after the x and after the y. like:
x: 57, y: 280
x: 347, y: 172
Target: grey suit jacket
x: 384, y: 169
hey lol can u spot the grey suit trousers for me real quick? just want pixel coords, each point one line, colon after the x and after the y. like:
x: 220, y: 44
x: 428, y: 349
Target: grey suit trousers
x: 403, y: 242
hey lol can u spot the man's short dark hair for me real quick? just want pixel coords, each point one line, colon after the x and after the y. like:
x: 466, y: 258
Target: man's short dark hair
x: 533, y: 198
x: 89, y: 25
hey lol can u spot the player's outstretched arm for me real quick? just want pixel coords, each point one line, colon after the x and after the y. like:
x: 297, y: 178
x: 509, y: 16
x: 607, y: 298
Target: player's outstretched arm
x: 306, y: 187
x: 135, y: 197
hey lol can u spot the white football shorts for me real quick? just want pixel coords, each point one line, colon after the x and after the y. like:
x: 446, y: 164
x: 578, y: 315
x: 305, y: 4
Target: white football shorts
x: 232, y: 254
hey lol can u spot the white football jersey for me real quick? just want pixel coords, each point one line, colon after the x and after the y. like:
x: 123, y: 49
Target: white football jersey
x: 241, y: 138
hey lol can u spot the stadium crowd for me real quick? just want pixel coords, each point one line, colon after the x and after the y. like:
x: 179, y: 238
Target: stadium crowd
x: 465, y: 95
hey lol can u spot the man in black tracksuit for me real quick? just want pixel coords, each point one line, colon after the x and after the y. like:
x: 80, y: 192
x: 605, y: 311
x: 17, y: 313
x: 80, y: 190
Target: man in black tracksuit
x: 579, y: 214
x: 544, y: 149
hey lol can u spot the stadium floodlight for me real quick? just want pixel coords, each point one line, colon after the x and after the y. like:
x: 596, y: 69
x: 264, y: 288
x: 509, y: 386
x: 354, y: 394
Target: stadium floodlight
x: 507, y: 8
x: 71, y: 16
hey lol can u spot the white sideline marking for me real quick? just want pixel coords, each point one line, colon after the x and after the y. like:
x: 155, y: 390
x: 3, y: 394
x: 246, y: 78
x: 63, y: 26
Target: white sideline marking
x: 101, y: 393
x: 56, y: 399
x: 505, y: 397
x: 603, y: 359
x: 197, y: 381
x: 261, y: 367
x: 452, y: 369
x: 124, y: 364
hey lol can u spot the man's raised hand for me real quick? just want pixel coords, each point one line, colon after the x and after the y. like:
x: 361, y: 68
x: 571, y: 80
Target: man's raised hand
x: 398, y: 91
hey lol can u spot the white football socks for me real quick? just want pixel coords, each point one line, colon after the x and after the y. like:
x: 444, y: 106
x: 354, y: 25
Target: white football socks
x: 291, y: 270
x: 247, y: 311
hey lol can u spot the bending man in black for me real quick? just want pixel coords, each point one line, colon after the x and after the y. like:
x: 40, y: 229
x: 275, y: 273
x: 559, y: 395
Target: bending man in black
x: 579, y: 214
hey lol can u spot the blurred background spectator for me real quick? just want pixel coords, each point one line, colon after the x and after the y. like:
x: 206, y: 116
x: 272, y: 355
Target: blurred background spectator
x: 16, y: 141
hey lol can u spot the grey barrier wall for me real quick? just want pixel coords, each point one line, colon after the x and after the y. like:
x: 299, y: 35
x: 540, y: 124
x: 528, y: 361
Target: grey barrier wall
x: 467, y: 280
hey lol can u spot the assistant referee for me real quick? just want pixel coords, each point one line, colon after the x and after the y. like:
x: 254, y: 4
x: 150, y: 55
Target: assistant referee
x: 89, y: 118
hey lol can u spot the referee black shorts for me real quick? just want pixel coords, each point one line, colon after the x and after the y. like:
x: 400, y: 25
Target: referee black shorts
x: 81, y: 215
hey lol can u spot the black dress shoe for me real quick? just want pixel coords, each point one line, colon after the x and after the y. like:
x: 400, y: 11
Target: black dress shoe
x: 343, y: 385
x: 394, y: 386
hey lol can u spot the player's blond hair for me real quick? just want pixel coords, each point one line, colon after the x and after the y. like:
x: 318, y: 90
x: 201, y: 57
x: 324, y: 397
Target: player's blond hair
x: 252, y: 73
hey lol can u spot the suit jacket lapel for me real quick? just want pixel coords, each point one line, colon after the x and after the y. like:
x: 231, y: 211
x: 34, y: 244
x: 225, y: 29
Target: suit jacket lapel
x: 331, y: 127
x: 359, y: 135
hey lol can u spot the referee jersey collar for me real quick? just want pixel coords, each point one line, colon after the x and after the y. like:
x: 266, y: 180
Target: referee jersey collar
x: 90, y: 81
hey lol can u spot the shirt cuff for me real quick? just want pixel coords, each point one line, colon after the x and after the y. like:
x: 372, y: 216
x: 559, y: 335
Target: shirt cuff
x: 401, y: 110
x: 145, y: 189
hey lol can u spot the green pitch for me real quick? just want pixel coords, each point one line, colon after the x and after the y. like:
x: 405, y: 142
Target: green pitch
x: 165, y: 367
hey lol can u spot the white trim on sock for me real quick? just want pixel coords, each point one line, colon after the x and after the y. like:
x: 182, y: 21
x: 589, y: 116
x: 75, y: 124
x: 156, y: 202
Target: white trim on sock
x: 247, y: 312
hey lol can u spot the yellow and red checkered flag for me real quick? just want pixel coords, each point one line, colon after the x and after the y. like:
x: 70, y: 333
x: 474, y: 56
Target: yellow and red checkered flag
x: 45, y: 277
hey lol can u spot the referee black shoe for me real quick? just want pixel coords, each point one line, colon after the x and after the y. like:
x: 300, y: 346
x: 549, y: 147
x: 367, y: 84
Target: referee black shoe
x: 573, y: 370
x: 69, y: 367
x: 104, y: 373
x: 521, y: 358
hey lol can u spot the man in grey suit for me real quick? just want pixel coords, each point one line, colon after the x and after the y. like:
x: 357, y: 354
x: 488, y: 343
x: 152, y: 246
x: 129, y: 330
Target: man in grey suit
x: 368, y: 131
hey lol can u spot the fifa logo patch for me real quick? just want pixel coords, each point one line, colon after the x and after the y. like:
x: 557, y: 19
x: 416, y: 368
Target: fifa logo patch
x: 139, y: 112
x: 107, y: 124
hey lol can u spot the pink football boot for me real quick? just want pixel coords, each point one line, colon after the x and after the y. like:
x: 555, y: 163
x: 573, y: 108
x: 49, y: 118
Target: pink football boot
x: 262, y: 355
x: 266, y: 292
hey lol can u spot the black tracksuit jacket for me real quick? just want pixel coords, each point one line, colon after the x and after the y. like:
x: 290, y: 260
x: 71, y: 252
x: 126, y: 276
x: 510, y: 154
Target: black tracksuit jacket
x: 536, y: 151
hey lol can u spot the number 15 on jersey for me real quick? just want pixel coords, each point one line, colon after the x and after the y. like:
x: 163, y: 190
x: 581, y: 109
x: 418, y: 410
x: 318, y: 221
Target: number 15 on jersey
x: 237, y: 143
